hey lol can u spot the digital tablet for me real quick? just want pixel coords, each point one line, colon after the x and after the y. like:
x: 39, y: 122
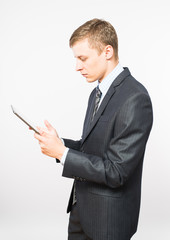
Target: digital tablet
x: 24, y: 119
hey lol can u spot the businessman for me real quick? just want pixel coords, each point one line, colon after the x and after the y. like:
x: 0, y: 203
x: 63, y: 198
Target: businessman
x: 106, y: 162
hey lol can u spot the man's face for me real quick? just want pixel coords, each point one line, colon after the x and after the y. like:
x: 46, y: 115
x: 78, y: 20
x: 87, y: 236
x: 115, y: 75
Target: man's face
x: 88, y: 61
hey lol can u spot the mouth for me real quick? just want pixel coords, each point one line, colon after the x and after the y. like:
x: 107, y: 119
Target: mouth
x: 84, y: 75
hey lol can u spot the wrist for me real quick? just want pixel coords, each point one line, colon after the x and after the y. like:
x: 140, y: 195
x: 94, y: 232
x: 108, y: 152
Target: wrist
x: 61, y: 153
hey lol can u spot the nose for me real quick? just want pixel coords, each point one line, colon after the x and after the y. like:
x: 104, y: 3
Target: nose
x: 79, y: 65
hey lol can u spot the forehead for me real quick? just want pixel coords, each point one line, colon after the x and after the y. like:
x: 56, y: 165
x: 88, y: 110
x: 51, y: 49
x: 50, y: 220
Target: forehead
x: 82, y: 48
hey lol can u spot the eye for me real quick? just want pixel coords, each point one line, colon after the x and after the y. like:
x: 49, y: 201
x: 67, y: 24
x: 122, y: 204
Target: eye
x: 83, y: 59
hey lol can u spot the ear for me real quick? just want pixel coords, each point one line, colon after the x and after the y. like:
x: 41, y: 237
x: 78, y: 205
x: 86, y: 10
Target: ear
x: 109, y: 52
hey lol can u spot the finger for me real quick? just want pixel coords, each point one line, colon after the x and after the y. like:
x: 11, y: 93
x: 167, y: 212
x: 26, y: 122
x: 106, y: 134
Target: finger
x: 41, y: 131
x: 38, y: 137
x: 48, y: 125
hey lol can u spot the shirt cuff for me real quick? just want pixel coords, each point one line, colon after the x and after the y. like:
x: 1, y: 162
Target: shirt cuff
x: 62, y: 161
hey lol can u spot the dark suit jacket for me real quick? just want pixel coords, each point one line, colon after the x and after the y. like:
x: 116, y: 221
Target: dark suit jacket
x: 107, y: 162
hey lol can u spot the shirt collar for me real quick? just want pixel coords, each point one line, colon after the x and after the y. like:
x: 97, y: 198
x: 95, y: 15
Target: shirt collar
x: 108, y: 80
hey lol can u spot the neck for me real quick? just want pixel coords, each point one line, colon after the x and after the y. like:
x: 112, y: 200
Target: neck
x: 111, y: 65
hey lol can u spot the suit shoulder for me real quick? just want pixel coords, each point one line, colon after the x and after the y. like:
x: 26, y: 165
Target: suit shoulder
x: 132, y: 87
x: 135, y: 84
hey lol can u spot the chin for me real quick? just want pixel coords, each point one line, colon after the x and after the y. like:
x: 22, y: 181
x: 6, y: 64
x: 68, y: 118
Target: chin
x: 90, y: 80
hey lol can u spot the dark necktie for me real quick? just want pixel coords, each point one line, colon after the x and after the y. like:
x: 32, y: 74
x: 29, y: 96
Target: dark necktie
x: 98, y: 97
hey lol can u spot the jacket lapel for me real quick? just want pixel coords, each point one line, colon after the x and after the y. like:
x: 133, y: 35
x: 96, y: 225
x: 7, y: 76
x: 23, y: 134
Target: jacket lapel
x: 90, y: 125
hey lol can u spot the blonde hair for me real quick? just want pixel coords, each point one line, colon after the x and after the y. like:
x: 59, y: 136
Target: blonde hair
x: 100, y: 33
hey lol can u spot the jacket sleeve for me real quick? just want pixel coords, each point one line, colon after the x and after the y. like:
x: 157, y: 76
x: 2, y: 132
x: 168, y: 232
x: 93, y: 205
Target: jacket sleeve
x: 71, y: 144
x: 125, y: 145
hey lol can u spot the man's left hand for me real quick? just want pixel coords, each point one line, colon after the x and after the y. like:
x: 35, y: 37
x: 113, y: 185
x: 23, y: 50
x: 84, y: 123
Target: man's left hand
x: 50, y: 143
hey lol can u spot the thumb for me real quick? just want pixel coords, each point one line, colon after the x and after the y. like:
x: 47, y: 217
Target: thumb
x: 48, y: 125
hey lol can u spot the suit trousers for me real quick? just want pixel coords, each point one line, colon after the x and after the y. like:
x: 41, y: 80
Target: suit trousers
x: 75, y: 231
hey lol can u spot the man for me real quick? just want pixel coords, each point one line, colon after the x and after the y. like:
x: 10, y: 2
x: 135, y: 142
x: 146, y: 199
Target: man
x: 107, y: 162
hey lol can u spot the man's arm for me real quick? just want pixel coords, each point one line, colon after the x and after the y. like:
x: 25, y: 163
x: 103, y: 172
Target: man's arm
x: 124, y: 150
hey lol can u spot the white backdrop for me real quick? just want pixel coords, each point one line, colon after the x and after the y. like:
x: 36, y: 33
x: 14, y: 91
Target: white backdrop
x: 37, y: 75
